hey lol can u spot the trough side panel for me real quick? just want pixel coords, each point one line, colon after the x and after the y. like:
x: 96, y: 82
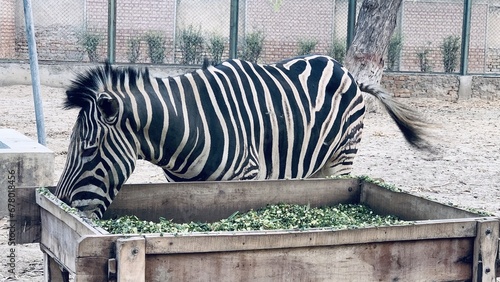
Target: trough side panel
x: 61, y: 231
x: 259, y: 240
x: 427, y: 260
x: 59, y: 240
x: 407, y: 206
x: 211, y: 201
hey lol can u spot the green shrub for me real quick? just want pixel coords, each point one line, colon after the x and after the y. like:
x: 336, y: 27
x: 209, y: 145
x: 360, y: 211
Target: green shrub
x: 450, y: 50
x: 252, y: 46
x: 338, y: 50
x: 190, y: 42
x: 394, y: 48
x: 307, y: 46
x: 156, y: 47
x: 423, y: 59
x: 216, y: 48
x: 90, y: 41
x: 134, y: 46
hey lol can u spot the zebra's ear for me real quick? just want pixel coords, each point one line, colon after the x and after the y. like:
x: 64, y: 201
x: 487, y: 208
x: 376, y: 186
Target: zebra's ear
x: 108, y: 106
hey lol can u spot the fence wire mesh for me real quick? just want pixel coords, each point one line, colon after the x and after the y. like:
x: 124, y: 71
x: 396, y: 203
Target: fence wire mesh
x: 427, y: 38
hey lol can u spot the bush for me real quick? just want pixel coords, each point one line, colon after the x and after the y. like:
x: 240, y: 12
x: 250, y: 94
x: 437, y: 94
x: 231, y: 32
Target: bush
x: 134, y: 46
x: 156, y: 47
x: 394, y: 48
x: 450, y: 50
x: 338, y: 50
x: 252, y: 47
x: 423, y: 60
x: 216, y: 48
x: 191, y: 45
x: 90, y: 41
x: 306, y: 47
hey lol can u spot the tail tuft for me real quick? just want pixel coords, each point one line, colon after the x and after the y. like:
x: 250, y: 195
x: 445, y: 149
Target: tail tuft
x: 408, y: 121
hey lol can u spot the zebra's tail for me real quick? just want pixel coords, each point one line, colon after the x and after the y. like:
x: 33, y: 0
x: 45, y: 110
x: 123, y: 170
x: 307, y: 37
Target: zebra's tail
x: 409, y: 122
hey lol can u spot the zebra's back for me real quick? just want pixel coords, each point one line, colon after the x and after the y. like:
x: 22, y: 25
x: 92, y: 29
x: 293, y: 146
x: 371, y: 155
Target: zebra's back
x: 247, y: 121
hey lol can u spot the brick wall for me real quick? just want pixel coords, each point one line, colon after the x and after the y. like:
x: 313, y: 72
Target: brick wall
x: 404, y: 85
x: 425, y: 25
x: 286, y: 25
x: 7, y: 29
x: 440, y: 86
x: 486, y: 87
x: 58, y: 25
x: 130, y: 24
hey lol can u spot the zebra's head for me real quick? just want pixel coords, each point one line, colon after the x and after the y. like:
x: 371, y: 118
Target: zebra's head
x: 102, y: 151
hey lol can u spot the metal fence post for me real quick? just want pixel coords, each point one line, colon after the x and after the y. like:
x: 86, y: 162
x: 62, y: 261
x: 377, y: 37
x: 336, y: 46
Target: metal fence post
x: 464, y: 53
x: 233, y: 30
x: 351, y: 22
x: 35, y: 79
x: 111, y: 31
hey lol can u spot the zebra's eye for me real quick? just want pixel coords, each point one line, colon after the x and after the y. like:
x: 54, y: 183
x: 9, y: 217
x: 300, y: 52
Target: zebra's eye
x: 89, y: 151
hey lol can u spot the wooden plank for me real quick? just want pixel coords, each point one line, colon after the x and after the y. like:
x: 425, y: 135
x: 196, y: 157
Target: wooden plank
x: 407, y: 206
x: 425, y: 260
x: 53, y: 206
x: 95, y: 250
x: 211, y: 201
x: 52, y: 272
x: 486, y: 250
x: 259, y: 240
x: 93, y: 255
x: 131, y: 259
x: 61, y: 231
x: 498, y: 261
x: 91, y: 269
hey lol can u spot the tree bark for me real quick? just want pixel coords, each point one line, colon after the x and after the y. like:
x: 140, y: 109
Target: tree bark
x: 374, y: 28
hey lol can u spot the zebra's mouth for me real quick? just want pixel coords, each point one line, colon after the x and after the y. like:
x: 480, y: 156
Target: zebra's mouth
x: 90, y: 208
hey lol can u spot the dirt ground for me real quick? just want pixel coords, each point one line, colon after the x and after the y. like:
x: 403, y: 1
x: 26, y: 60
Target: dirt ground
x: 465, y: 171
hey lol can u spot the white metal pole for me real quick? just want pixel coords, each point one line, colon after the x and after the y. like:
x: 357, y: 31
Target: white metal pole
x: 35, y: 79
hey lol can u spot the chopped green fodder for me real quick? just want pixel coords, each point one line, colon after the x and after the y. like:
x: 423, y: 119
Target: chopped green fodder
x: 271, y: 217
x: 46, y: 192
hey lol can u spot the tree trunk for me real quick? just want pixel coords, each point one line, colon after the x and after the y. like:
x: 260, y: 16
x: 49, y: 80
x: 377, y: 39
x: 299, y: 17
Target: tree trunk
x: 374, y: 28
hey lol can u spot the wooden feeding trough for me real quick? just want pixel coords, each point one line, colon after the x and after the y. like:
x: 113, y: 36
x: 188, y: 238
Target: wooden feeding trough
x: 443, y: 244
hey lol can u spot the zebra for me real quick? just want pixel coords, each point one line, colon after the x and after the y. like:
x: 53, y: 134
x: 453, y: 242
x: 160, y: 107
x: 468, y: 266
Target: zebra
x: 298, y: 118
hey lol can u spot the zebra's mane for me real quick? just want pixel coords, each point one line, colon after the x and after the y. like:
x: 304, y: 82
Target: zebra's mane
x: 85, y: 87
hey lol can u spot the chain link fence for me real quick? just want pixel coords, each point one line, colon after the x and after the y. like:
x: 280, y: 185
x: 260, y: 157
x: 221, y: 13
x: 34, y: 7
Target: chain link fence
x: 174, y: 31
x: 427, y: 37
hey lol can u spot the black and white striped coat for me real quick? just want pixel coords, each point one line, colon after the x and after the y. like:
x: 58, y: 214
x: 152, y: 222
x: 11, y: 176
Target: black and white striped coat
x: 299, y: 118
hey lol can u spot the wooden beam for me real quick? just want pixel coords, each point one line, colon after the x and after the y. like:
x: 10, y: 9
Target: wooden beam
x: 211, y: 201
x: 259, y: 240
x: 486, y: 250
x: 423, y: 260
x: 131, y: 259
x: 52, y: 271
x: 406, y: 206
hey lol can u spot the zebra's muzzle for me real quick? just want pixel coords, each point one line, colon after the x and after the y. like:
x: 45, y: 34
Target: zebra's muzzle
x: 90, y: 208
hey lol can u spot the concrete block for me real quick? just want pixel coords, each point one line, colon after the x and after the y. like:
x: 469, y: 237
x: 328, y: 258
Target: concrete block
x: 23, y: 163
x: 465, y: 87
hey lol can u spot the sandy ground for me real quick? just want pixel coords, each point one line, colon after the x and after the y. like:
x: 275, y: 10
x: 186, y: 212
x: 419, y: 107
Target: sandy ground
x: 465, y: 171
